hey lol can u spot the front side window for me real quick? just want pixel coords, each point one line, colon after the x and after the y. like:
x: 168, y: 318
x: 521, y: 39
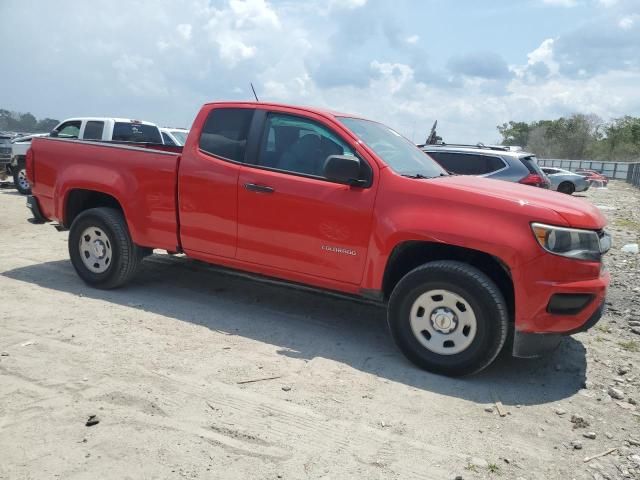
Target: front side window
x: 167, y: 139
x: 396, y: 151
x: 180, y: 136
x: 299, y: 145
x: 225, y: 133
x: 69, y: 129
x: 93, y: 130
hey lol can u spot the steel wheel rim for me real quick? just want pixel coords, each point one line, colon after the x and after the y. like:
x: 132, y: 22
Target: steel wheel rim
x: 443, y: 322
x: 96, y: 249
x: 22, y: 179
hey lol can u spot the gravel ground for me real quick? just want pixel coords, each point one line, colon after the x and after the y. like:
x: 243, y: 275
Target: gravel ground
x: 194, y: 373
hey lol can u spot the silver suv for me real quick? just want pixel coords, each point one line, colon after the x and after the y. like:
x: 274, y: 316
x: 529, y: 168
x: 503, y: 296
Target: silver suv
x: 501, y: 163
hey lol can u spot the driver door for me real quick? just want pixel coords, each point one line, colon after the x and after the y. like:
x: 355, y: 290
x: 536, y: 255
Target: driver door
x: 290, y: 217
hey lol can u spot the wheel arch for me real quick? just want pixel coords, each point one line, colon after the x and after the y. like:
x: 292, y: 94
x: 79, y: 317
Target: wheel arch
x: 78, y: 200
x: 411, y: 254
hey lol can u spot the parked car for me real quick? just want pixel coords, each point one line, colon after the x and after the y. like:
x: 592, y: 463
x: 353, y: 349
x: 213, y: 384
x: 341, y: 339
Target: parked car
x: 85, y: 128
x: 500, y: 163
x: 19, y: 147
x: 5, y: 154
x: 338, y: 203
x: 565, y: 181
x: 174, y: 136
x: 593, y: 177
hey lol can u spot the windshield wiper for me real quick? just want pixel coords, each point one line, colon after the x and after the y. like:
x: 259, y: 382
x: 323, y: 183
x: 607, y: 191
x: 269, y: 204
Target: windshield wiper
x: 419, y: 176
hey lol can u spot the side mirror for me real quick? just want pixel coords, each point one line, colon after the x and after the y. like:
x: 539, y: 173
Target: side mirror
x: 53, y: 133
x: 343, y: 169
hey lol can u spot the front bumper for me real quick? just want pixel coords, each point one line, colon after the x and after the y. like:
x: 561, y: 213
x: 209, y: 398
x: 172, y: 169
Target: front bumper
x: 532, y: 345
x: 555, y: 296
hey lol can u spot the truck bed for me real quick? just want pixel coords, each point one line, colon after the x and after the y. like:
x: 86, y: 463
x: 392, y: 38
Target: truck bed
x: 142, y: 179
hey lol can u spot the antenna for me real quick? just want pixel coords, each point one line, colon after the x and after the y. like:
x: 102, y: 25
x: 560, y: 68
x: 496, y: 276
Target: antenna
x: 254, y: 91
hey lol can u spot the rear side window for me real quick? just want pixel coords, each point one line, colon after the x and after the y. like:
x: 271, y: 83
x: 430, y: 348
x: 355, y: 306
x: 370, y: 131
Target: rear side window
x: 225, y: 133
x: 93, y: 130
x: 136, y: 132
x: 531, y: 163
x: 468, y: 164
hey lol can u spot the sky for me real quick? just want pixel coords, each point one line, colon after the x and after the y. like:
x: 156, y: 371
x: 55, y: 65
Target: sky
x: 470, y: 64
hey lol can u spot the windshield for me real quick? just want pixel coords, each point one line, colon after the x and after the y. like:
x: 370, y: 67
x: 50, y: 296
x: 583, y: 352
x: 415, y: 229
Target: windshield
x: 180, y: 136
x: 5, y: 141
x: 396, y: 151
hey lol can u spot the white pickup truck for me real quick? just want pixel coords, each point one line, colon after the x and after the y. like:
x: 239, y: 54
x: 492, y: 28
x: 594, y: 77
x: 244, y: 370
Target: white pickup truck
x: 83, y: 128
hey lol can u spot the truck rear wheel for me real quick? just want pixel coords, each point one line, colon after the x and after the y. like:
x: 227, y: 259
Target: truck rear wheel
x: 448, y: 317
x: 101, y: 248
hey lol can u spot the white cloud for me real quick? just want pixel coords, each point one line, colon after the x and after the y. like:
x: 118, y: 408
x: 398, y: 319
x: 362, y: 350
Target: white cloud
x: 627, y: 23
x: 544, y: 54
x: 608, y: 3
x: 238, y: 28
x: 393, y: 76
x: 253, y: 13
x: 346, y: 4
x: 184, y: 30
x: 299, y: 52
x: 233, y: 49
x: 561, y: 3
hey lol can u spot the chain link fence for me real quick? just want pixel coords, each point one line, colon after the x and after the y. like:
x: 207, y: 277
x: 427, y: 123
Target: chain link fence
x: 619, y: 170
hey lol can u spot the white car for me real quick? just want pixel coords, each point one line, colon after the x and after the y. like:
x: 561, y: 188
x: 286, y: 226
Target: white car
x: 174, y: 136
x: 83, y: 128
x: 108, y: 129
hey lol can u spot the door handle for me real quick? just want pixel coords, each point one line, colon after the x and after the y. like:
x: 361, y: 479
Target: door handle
x: 252, y: 187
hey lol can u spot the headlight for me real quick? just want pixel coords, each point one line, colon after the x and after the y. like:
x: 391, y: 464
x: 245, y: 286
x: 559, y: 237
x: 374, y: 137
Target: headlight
x: 572, y: 242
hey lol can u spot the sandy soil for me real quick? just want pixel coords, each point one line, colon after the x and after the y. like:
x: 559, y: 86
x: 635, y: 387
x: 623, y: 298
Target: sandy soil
x: 161, y: 364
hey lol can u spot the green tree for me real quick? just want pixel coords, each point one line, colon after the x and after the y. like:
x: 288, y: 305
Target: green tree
x: 515, y: 133
x: 28, y: 122
x: 25, y: 122
x: 46, y: 124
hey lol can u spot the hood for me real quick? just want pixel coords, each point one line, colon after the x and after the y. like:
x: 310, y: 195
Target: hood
x: 577, y: 212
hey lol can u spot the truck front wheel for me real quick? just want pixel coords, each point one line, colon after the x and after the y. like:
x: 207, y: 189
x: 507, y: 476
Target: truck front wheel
x: 101, y: 248
x: 20, y: 180
x: 448, y: 317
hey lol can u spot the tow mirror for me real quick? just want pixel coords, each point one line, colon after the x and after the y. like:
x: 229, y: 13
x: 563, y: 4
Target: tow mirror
x: 53, y: 133
x: 343, y: 169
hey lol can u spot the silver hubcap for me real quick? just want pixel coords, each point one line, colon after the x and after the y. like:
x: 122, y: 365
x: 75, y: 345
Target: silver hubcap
x: 95, y: 249
x: 443, y: 322
x: 22, y: 179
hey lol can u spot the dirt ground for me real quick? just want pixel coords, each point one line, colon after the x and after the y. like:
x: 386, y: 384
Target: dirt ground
x: 162, y: 361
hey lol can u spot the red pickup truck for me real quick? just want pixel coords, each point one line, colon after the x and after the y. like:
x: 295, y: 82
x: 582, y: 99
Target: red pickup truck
x: 339, y: 203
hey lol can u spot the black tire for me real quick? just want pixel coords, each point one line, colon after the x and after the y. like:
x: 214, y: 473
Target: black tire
x: 567, y: 187
x: 469, y: 283
x: 125, y: 256
x: 20, y: 180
